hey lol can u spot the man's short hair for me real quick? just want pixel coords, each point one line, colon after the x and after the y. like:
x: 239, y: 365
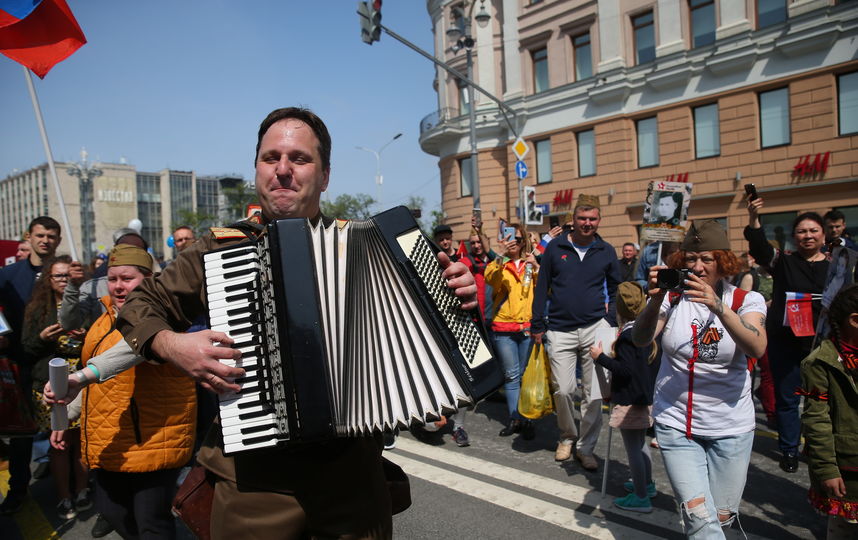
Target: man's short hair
x: 47, y: 222
x: 834, y: 215
x: 441, y: 229
x: 184, y: 227
x: 629, y: 244
x: 585, y: 208
x: 304, y: 115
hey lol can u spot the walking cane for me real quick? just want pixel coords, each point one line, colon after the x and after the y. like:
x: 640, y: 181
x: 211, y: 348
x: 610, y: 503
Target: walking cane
x: 607, y: 462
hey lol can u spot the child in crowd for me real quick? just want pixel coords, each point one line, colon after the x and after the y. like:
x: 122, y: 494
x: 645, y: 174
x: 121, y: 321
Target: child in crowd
x: 830, y: 418
x: 633, y: 378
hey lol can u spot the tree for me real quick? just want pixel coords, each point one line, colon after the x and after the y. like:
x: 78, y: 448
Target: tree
x: 237, y: 198
x: 347, y: 206
x: 197, y: 221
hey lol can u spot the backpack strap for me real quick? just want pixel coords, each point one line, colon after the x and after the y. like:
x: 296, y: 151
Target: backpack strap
x: 738, y: 299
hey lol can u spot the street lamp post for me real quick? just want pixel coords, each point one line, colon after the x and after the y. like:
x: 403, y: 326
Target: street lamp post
x: 379, y: 179
x: 85, y: 174
x: 460, y: 32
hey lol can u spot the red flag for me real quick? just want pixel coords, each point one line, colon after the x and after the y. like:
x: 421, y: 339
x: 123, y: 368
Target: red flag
x: 462, y: 251
x: 42, y: 39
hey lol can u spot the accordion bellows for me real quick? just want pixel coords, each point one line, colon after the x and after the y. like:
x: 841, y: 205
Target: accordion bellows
x: 345, y: 329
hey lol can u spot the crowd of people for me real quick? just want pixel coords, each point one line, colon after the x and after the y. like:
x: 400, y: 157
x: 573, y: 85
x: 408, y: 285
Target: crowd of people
x: 693, y: 322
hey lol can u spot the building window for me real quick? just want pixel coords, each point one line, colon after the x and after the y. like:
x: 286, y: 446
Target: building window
x: 647, y: 142
x: 464, y: 104
x: 466, y: 177
x: 540, y: 70
x: 702, y: 22
x: 851, y: 215
x: 770, y: 12
x: 847, y: 103
x: 543, y: 161
x: 774, y: 118
x: 644, y: 31
x: 707, y: 139
x: 586, y: 153
x: 583, y: 57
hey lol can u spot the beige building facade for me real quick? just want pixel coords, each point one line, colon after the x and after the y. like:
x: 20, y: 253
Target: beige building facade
x: 120, y: 193
x: 613, y: 94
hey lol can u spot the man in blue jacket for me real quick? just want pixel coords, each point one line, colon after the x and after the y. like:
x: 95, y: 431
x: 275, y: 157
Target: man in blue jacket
x: 575, y: 269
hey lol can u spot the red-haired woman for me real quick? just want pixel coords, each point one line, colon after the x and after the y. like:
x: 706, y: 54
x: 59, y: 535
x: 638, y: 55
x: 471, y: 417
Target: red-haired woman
x: 702, y: 407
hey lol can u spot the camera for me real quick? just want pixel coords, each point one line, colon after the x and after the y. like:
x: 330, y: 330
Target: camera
x: 671, y: 279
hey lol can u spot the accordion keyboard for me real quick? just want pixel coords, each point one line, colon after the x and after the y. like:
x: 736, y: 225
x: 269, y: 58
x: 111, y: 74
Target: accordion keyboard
x: 247, y: 420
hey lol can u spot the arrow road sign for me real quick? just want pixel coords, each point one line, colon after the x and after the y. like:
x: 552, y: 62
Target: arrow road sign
x: 521, y: 169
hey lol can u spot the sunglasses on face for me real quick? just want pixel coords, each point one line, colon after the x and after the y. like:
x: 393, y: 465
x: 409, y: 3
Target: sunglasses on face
x: 519, y: 239
x: 60, y: 277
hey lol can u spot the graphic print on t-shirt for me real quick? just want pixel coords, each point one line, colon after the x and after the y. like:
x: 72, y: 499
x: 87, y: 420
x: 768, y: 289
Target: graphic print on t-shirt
x: 708, y: 340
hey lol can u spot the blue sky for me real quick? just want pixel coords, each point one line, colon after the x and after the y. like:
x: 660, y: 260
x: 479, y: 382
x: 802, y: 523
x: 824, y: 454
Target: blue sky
x: 184, y: 85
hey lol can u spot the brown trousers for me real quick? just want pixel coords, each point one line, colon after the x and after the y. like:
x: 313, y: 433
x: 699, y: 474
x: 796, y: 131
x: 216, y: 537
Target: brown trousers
x: 269, y: 515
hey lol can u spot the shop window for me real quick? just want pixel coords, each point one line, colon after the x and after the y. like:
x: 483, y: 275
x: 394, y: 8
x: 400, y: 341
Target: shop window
x: 644, y: 32
x: 770, y: 12
x: 586, y: 152
x: 707, y: 137
x: 647, y: 142
x: 583, y: 57
x: 847, y: 103
x: 543, y: 161
x: 778, y: 227
x: 540, y: 70
x: 774, y: 118
x: 702, y: 22
x: 466, y: 177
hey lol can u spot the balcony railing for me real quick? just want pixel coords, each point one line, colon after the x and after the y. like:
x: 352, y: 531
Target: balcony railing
x: 434, y: 119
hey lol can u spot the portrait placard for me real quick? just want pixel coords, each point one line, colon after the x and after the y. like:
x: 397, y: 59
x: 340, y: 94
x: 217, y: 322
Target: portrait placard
x: 665, y: 213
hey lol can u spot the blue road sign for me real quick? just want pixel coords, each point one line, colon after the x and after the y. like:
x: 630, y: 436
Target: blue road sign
x: 521, y: 169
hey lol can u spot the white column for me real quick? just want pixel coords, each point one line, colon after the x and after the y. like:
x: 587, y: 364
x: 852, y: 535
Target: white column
x: 669, y: 38
x: 484, y: 72
x: 611, y: 34
x: 511, y: 53
x: 734, y: 18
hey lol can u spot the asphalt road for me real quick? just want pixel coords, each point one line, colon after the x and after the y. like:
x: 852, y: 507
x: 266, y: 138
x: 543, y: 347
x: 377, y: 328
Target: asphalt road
x: 511, y: 488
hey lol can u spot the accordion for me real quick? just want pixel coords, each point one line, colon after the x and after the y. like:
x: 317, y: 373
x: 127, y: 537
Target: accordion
x: 344, y: 329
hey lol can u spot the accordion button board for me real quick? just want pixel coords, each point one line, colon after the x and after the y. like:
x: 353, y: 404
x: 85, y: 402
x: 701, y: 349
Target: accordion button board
x: 345, y: 329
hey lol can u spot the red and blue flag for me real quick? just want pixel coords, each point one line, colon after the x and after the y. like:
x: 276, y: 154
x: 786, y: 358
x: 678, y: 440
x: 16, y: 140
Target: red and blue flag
x: 543, y: 243
x: 38, y: 34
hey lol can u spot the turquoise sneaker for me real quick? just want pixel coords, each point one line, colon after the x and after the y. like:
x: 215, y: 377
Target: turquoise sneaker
x: 633, y: 503
x: 650, y: 488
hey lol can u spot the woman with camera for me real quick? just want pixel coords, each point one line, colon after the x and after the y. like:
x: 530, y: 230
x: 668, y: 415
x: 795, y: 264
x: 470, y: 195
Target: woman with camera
x: 803, y: 271
x: 702, y: 407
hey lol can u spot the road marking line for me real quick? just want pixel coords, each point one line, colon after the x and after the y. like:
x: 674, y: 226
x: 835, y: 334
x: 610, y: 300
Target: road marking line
x: 555, y: 488
x: 594, y: 527
x: 30, y: 520
x: 549, y: 486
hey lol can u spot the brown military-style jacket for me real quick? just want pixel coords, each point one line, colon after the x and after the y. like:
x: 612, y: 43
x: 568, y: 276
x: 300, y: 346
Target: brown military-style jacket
x: 335, y: 481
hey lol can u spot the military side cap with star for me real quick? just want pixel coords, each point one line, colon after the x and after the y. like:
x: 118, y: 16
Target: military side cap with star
x: 588, y: 200
x: 128, y: 255
x: 707, y: 235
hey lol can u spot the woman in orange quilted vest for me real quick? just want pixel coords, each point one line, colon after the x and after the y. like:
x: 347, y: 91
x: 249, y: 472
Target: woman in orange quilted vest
x: 138, y: 423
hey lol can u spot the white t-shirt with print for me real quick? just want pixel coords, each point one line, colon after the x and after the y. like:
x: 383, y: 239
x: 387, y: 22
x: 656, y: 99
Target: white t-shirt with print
x: 721, y: 402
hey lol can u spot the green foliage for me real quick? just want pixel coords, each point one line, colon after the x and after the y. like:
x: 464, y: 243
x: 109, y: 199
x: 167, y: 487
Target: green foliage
x: 198, y: 221
x: 237, y: 199
x: 347, y: 206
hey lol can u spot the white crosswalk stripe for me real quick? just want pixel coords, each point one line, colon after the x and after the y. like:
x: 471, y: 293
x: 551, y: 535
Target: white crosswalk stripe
x: 594, y: 524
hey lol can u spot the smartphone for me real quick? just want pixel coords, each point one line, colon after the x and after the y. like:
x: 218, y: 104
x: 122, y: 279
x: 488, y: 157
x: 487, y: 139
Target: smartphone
x: 553, y: 221
x: 751, y: 190
x: 508, y: 234
x: 478, y: 218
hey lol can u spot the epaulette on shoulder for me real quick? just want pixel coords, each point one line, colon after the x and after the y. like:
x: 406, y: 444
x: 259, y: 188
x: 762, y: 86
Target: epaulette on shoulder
x: 223, y: 233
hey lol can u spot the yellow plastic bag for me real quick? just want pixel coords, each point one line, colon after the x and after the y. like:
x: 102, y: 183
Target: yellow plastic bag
x: 535, y: 399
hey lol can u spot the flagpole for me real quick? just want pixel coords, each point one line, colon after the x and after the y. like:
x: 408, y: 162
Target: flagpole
x: 41, y: 122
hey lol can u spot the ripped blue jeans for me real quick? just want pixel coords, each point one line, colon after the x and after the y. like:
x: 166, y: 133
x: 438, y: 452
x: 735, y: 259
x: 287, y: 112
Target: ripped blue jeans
x: 711, y: 468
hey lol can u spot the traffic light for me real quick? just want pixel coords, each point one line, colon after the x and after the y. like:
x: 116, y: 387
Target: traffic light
x: 370, y: 20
